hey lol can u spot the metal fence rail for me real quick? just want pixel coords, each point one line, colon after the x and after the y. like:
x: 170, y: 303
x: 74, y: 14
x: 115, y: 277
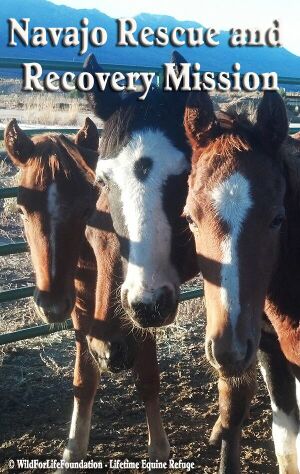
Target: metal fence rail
x: 76, y: 66
x: 46, y: 329
x: 9, y: 249
x: 19, y: 247
x: 16, y: 294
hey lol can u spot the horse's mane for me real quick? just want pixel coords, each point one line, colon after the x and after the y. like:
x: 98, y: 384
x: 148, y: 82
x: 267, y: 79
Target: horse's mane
x: 243, y: 115
x: 241, y: 110
x: 54, y: 153
x: 236, y: 129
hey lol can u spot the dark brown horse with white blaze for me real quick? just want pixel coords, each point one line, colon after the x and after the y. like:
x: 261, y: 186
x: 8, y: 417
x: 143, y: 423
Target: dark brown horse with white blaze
x: 245, y: 217
x: 56, y: 198
x: 145, y: 161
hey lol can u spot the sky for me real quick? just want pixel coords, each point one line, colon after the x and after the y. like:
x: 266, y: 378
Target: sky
x: 221, y: 14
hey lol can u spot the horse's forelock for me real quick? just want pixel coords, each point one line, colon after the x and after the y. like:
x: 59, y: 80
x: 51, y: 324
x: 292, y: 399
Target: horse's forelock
x: 237, y: 132
x: 57, y: 154
x: 76, y: 153
x: 159, y: 110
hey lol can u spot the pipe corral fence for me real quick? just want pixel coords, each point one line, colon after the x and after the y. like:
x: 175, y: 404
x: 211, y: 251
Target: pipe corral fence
x: 8, y: 193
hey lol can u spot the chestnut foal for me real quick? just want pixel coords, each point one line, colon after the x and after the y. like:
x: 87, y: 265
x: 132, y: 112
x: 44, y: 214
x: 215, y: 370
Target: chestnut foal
x: 246, y: 222
x: 56, y: 198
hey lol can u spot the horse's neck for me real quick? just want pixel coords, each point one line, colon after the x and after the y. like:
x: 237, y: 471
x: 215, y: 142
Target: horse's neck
x: 85, y: 286
x: 283, y: 302
x: 188, y: 267
x: 86, y: 276
x: 290, y: 237
x: 105, y: 244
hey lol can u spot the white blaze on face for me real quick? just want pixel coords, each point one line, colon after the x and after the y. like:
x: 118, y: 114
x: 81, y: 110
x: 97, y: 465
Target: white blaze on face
x: 231, y: 201
x: 149, y: 266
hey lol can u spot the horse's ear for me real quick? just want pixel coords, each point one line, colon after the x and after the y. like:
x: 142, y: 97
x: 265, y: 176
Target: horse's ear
x: 177, y: 59
x: 272, y: 122
x: 88, y: 135
x: 103, y: 103
x: 18, y: 145
x: 178, y: 98
x: 199, y: 118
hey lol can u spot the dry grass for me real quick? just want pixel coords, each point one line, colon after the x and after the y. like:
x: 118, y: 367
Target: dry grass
x: 4, y: 168
x: 50, y: 109
x: 9, y: 207
x: 8, y: 178
x: 8, y: 171
x: 41, y: 108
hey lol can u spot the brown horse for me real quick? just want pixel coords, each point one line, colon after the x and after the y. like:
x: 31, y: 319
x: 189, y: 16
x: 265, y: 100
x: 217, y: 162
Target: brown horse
x: 50, y: 205
x: 56, y: 197
x: 245, y: 219
x: 280, y: 346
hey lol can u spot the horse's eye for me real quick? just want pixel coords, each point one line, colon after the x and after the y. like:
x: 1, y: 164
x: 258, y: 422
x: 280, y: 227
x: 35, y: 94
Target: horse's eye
x: 102, y: 179
x: 190, y: 221
x: 23, y: 214
x: 101, y: 182
x: 277, y: 221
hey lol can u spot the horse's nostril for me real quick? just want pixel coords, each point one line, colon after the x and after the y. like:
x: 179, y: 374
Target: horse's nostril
x: 162, y: 300
x: 117, y: 350
x: 165, y: 297
x: 165, y: 303
x: 143, y: 313
x: 140, y: 308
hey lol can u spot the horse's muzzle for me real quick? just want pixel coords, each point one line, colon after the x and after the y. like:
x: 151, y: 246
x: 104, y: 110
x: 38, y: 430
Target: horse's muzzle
x: 230, y: 362
x: 114, y: 356
x: 53, y: 309
x: 157, y: 311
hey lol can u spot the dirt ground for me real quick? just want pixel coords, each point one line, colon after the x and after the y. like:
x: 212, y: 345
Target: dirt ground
x: 36, y: 386
x: 36, y: 401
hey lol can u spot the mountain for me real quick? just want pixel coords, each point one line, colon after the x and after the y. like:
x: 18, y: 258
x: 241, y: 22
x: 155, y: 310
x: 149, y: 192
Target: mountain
x: 220, y: 58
